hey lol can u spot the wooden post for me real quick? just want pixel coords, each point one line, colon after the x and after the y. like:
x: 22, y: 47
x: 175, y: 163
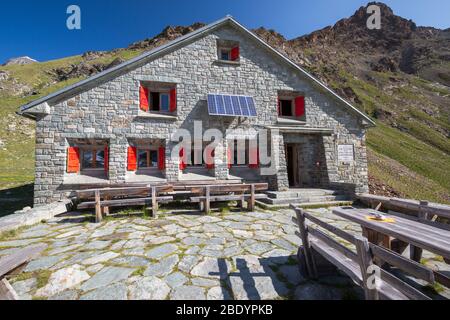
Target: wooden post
x: 251, y: 203
x: 98, y: 208
x: 154, y: 203
x: 310, y: 264
x: 365, y: 261
x: 207, y: 199
x: 7, y: 292
x: 242, y: 202
x: 105, y: 210
x: 415, y: 253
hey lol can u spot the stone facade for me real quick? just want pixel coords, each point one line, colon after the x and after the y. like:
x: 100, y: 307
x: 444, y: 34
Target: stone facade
x: 110, y: 111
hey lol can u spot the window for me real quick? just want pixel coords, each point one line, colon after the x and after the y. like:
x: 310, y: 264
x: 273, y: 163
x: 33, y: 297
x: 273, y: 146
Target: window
x: 164, y: 104
x: 228, y: 50
x: 147, y: 158
x: 197, y: 157
x: 93, y: 159
x: 225, y: 55
x: 241, y: 154
x: 158, y: 98
x: 291, y: 104
x: 286, y: 108
x: 159, y: 101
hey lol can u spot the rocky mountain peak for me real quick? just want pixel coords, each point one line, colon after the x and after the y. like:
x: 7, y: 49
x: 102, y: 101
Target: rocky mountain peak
x: 169, y: 33
x: 19, y: 61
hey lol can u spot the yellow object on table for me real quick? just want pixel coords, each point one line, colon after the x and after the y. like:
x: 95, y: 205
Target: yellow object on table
x: 388, y: 220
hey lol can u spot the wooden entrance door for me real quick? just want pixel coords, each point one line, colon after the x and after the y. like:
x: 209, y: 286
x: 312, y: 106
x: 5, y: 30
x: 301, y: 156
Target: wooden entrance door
x: 292, y: 164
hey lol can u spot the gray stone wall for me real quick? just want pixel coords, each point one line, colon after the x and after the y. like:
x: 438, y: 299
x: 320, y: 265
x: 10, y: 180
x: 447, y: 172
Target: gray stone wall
x: 110, y: 111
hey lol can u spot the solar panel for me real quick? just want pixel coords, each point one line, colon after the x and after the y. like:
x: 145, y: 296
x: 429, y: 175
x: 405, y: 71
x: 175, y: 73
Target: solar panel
x: 231, y: 105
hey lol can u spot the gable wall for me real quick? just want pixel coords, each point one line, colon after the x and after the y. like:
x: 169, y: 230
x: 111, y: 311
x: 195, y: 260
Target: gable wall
x: 110, y: 110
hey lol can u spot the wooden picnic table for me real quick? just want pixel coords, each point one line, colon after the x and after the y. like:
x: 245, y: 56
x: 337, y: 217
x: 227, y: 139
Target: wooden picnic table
x: 411, y: 232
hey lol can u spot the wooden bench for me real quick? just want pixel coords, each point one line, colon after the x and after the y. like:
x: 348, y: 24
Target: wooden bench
x: 223, y: 193
x: 359, y: 265
x: 9, y: 263
x: 105, y: 198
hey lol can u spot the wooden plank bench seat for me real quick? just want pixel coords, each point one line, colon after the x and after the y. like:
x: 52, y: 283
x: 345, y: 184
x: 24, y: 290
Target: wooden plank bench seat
x: 359, y: 265
x: 12, y: 262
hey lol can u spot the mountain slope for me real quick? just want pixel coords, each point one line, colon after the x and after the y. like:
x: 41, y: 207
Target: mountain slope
x: 398, y: 75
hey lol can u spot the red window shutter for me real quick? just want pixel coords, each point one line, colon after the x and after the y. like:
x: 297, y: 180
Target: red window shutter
x: 106, y: 159
x: 73, y: 160
x: 210, y: 158
x: 299, y: 106
x: 235, y: 53
x: 143, y: 98
x: 182, y: 163
x: 229, y: 158
x: 162, y: 158
x: 132, y: 158
x: 173, y: 100
x: 254, y: 157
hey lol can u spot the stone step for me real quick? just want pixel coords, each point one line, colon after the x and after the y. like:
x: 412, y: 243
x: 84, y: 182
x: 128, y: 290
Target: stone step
x: 306, y: 199
x: 324, y: 204
x: 300, y: 193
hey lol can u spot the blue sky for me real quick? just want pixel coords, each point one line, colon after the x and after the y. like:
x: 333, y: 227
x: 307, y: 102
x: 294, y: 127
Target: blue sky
x: 38, y: 28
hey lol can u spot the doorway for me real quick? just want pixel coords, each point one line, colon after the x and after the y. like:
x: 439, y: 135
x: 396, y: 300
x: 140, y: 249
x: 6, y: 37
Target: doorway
x: 292, y: 165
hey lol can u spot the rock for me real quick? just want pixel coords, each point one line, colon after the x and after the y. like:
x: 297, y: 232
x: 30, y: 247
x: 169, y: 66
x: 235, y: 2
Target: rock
x: 176, y: 279
x: 212, y: 268
x: 19, y: 61
x: 188, y: 293
x: 291, y: 274
x: 63, y: 279
x: 188, y: 262
x: 25, y: 286
x: 95, y: 268
x: 151, y: 239
x: 132, y: 261
x: 161, y: 251
x: 218, y: 293
x: 247, y: 287
x: 35, y: 233
x: 116, y: 291
x: 190, y: 241
x: 4, y: 75
x: 102, y: 232
x: 163, y: 267
x: 313, y: 291
x: 42, y: 263
x: 65, y: 295
x: 259, y: 248
x: 17, y: 243
x: 285, y: 245
x: 100, y: 258
x: 202, y: 282
x: 149, y: 288
x: 97, y: 245
x: 107, y: 276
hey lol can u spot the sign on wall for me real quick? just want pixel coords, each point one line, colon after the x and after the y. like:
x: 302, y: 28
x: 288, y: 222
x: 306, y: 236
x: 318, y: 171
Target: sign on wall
x: 345, y: 153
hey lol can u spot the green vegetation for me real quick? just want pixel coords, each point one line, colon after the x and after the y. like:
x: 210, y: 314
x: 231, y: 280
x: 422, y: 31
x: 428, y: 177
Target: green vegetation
x: 411, y: 152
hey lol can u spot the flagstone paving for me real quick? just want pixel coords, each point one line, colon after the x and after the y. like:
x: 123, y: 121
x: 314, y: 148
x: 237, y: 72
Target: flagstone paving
x: 239, y: 255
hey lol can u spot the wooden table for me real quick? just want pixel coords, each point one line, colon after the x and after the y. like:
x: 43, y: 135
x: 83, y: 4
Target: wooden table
x: 417, y: 234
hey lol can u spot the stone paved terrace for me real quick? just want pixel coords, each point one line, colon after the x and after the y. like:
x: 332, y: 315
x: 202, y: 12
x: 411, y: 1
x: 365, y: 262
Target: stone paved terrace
x: 232, y: 255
